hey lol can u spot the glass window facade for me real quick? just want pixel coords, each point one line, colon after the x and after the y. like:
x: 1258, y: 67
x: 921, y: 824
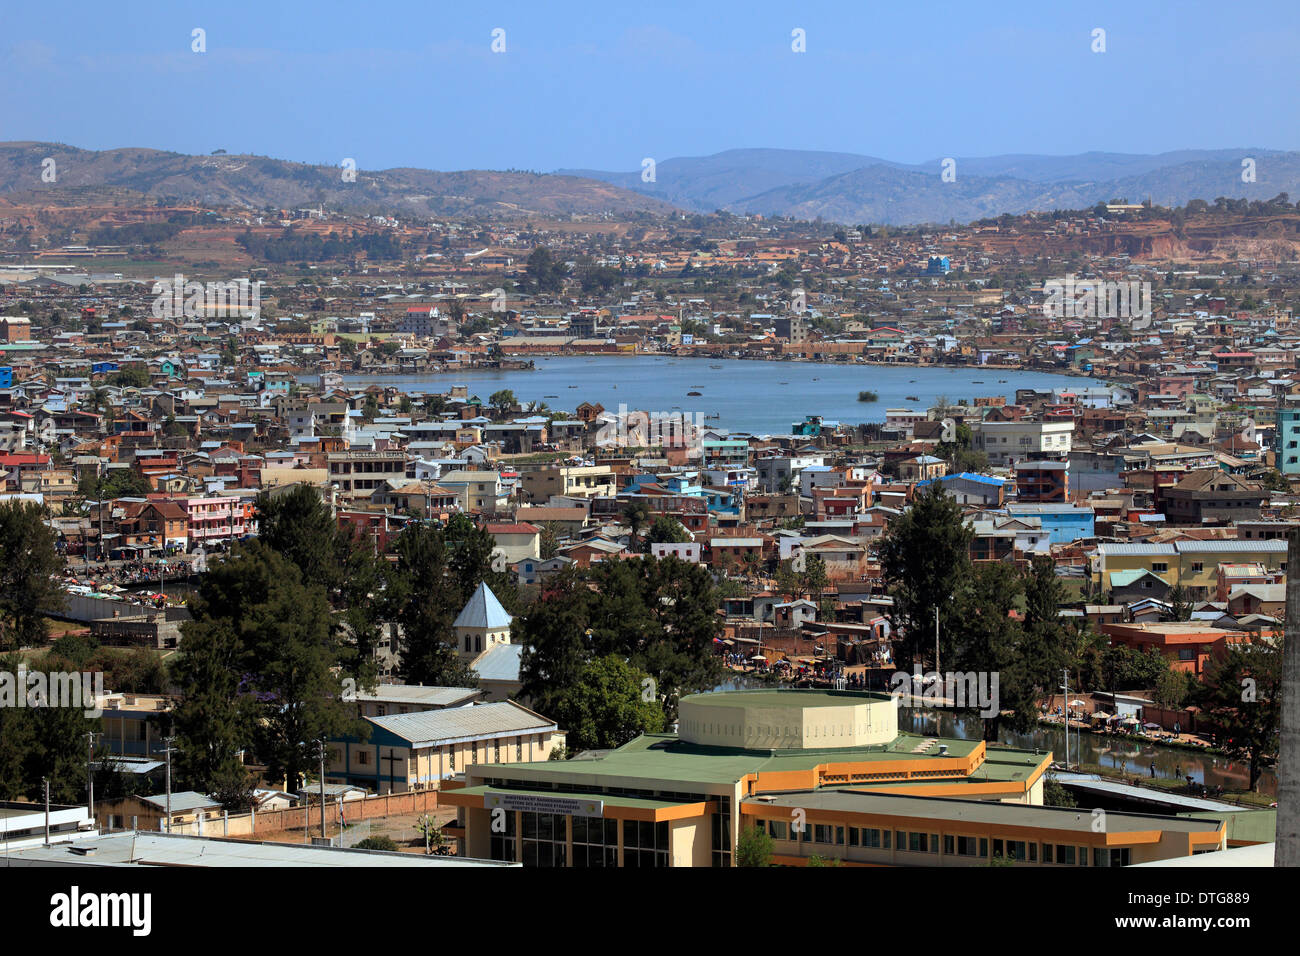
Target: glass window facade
x: 645, y: 843
x: 595, y: 842
x: 545, y: 836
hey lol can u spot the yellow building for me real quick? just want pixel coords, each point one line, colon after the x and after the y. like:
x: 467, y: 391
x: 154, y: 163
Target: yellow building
x: 1193, y: 564
x: 826, y: 773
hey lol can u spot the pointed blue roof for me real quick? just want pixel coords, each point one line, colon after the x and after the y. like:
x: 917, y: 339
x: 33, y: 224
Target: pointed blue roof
x: 483, y: 610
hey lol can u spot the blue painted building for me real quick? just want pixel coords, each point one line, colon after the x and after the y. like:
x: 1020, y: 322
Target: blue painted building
x: 1063, y: 522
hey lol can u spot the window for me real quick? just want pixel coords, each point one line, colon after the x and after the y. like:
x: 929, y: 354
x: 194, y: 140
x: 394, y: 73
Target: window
x: 778, y: 829
x: 1159, y: 567
x: 721, y: 832
x: 646, y: 843
x: 1197, y: 567
x: 502, y: 844
x: 875, y: 839
x: 595, y: 842
x: 961, y: 845
x: 545, y: 838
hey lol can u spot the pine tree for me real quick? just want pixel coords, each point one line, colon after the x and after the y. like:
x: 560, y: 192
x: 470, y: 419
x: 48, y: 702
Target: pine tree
x: 29, y: 565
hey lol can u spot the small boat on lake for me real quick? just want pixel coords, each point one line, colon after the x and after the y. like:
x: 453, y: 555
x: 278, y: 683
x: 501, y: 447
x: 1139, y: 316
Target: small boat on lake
x: 694, y: 393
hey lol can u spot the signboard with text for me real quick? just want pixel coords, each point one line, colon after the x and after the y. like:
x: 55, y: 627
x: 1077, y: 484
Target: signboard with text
x: 540, y: 803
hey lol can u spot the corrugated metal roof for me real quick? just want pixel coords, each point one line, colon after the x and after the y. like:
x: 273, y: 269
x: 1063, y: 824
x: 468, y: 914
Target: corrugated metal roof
x: 500, y: 662
x: 1108, y: 549
x: 435, y: 727
x: 1275, y: 546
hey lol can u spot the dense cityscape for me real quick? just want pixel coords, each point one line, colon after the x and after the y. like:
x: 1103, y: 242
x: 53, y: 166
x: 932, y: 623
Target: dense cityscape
x: 516, y: 520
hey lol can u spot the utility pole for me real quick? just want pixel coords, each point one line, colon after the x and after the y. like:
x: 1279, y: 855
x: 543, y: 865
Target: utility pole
x: 168, y: 753
x: 1287, y: 852
x: 90, y: 772
x: 1065, y: 711
x: 322, y: 788
x: 936, y: 639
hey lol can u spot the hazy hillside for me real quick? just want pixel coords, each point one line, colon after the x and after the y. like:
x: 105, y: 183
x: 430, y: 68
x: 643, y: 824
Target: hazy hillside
x: 258, y: 181
x: 849, y: 188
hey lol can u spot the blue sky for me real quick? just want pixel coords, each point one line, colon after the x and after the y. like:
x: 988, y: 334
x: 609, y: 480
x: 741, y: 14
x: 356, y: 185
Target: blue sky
x: 604, y: 85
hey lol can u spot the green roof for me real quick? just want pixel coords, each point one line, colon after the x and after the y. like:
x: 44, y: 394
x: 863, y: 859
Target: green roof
x: 1244, y: 826
x: 665, y: 758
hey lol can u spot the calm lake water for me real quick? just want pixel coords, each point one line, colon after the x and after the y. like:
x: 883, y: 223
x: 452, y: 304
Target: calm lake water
x: 1134, y: 757
x: 748, y: 396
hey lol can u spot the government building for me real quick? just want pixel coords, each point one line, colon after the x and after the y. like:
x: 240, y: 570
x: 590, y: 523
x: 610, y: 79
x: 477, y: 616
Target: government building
x: 826, y: 773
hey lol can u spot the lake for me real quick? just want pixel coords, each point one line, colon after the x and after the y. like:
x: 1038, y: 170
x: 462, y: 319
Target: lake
x: 747, y: 396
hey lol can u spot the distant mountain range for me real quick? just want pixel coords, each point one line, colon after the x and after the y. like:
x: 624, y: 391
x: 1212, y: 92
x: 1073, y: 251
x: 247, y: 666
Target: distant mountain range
x: 851, y: 188
x: 255, y: 182
x: 841, y: 187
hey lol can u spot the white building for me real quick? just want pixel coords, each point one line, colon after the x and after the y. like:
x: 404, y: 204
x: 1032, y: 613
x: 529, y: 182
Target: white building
x: 1005, y: 441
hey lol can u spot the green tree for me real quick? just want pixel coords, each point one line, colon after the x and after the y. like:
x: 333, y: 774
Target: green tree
x: 659, y: 616
x: 29, y: 566
x: 1241, y: 692
x: 549, y: 541
x: 815, y: 578
x: 666, y: 529
x: 1179, y: 604
x: 554, y: 633
x: 502, y: 400
x: 990, y: 641
x: 116, y: 483
x: 214, y: 719
x: 925, y: 558
x: 279, y: 636
x: 297, y: 524
x: 636, y: 514
x: 1055, y: 795
x: 378, y: 843
x: 425, y: 598
x: 606, y: 707
x: 1126, y: 668
x: 754, y: 847
x: 662, y: 616
x: 543, y: 273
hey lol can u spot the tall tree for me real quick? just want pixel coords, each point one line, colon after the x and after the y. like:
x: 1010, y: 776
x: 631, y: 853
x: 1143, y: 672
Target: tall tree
x: 1242, y: 693
x: 29, y: 564
x: 299, y: 526
x: 554, y: 633
x: 925, y: 558
x: 215, y: 716
x: 287, y: 650
x: 989, y: 641
x: 1044, y: 649
x: 425, y: 597
x: 662, y: 616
